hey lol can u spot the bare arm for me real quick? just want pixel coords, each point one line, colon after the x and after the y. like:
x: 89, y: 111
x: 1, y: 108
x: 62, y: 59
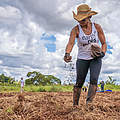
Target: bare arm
x: 101, y: 37
x: 71, y: 40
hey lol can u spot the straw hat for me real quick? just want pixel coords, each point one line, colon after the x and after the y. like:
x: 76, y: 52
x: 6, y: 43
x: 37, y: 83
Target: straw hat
x: 83, y: 11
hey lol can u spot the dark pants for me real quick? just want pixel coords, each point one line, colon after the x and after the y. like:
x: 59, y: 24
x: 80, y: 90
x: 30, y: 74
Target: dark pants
x: 102, y: 87
x: 82, y: 67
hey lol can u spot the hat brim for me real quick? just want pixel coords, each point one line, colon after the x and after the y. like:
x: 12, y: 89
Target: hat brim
x: 83, y: 16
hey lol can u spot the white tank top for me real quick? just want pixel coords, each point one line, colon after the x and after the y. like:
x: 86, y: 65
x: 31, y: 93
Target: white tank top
x: 84, y: 43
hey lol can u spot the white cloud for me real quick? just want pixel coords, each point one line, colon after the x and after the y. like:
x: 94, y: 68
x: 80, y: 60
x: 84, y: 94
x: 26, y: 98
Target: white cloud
x: 55, y: 15
x: 1, y: 61
x: 10, y: 12
x: 24, y: 22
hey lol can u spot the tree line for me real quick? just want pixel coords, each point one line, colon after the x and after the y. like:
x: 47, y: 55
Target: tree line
x: 6, y: 79
x: 34, y: 77
x: 37, y: 78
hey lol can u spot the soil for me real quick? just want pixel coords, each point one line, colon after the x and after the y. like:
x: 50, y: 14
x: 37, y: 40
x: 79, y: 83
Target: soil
x: 58, y: 106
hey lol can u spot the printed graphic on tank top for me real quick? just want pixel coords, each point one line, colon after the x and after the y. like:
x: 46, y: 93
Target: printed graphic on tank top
x: 84, y: 43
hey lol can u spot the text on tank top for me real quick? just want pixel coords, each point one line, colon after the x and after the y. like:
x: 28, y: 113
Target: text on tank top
x: 84, y: 43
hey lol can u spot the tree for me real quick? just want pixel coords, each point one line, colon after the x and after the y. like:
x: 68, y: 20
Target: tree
x: 40, y: 79
x: 110, y: 80
x: 6, y: 79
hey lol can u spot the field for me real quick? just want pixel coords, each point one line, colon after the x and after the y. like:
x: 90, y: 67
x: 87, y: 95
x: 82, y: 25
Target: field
x: 58, y: 106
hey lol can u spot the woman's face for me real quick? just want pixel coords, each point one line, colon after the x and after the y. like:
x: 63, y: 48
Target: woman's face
x: 84, y: 22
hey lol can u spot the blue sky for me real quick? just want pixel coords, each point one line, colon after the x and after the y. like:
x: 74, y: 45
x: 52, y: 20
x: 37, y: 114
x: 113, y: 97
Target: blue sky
x: 109, y: 48
x: 51, y: 47
x: 33, y: 36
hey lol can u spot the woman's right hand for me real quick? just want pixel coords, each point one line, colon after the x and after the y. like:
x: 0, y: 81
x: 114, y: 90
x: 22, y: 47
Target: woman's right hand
x: 67, y: 57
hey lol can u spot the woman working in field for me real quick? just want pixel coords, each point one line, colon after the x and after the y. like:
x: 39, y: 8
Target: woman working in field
x: 90, y: 55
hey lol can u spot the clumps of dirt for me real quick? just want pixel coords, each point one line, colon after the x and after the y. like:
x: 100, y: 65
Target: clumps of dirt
x: 59, y: 106
x: 18, y: 108
x: 7, y: 94
x: 21, y: 107
x: 21, y: 98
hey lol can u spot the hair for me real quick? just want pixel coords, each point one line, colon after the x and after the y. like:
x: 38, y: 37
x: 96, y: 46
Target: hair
x: 90, y: 16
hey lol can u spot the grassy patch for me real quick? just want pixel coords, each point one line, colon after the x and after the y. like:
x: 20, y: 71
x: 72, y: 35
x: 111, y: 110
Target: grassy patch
x: 41, y: 90
x: 9, y: 110
x: 112, y: 87
x: 9, y: 88
x: 52, y: 88
x: 55, y: 89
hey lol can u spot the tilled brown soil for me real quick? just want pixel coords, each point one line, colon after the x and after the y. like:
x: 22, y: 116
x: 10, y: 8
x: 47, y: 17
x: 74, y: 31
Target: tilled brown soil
x: 58, y: 106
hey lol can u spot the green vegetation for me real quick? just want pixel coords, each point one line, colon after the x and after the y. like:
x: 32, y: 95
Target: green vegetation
x: 34, y: 88
x: 112, y: 87
x: 110, y: 81
x: 9, y: 110
x: 6, y: 79
x: 50, y: 88
x: 38, y: 82
x: 37, y: 78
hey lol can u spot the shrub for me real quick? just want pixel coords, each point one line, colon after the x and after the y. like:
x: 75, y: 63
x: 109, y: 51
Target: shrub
x: 41, y: 90
x: 55, y: 89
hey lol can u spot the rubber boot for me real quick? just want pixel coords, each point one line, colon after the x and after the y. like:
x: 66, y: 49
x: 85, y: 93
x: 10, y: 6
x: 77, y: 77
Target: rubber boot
x: 91, y: 93
x: 76, y: 95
